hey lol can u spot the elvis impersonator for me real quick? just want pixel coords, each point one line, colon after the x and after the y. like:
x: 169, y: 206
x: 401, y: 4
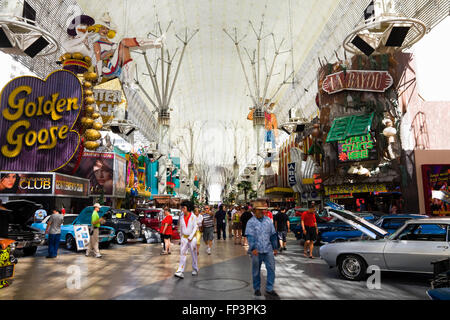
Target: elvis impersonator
x: 188, y: 229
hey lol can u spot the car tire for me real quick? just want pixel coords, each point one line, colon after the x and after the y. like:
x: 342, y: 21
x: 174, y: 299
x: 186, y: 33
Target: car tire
x: 29, y: 251
x: 352, y: 267
x: 70, y: 243
x: 105, y: 245
x: 121, y: 238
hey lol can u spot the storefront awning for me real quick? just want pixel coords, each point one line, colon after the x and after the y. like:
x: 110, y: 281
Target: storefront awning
x: 350, y: 126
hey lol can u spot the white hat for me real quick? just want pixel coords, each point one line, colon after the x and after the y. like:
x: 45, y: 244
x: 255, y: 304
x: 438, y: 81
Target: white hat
x: 97, y: 205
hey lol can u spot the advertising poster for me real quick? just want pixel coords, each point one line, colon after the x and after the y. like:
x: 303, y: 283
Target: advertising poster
x: 98, y: 168
x: 82, y: 236
x: 436, y: 189
x: 71, y: 186
x: 120, y: 169
x: 26, y: 184
x: 358, y: 148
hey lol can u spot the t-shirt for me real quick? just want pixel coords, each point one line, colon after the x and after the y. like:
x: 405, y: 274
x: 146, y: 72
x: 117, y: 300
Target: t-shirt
x: 282, y: 219
x: 208, y: 220
x: 269, y: 215
x: 56, y: 221
x: 247, y: 215
x: 169, y: 221
x: 95, y: 217
x: 220, y: 216
x: 309, y: 218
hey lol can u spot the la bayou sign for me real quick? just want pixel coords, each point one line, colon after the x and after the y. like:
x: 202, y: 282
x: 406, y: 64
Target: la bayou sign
x: 36, y: 122
x: 358, y: 80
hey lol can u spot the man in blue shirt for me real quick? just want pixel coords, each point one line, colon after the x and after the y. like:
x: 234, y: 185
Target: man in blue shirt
x: 263, y: 246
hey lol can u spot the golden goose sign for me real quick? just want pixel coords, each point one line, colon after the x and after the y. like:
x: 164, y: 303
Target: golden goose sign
x: 36, y: 122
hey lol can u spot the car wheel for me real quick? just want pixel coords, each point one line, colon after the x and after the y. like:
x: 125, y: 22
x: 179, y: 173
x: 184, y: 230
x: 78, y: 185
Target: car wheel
x: 29, y: 251
x: 121, y: 237
x: 70, y: 242
x: 352, y: 267
x: 105, y: 245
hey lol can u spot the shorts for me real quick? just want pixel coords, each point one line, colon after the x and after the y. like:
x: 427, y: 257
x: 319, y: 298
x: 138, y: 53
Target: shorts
x: 282, y: 235
x: 237, y: 226
x: 311, y: 234
x: 198, y: 235
x: 208, y: 233
x: 166, y: 236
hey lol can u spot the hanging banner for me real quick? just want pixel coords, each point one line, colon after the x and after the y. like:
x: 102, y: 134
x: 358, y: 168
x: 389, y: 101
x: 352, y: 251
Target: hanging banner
x: 436, y: 188
x: 26, y: 184
x: 36, y: 121
x: 358, y: 80
x: 358, y: 148
x: 355, y: 188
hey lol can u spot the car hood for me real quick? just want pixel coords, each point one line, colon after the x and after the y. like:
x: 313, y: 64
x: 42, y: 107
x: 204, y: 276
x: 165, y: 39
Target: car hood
x: 358, y: 223
x: 21, y: 210
x: 85, y: 215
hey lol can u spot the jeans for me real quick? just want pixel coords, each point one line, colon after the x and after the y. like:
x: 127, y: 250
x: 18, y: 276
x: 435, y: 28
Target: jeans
x: 269, y: 262
x: 221, y: 227
x: 53, y: 244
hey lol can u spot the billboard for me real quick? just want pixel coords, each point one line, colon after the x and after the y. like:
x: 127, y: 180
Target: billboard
x: 436, y: 188
x: 36, y: 122
x: 358, y: 148
x: 26, y: 184
x: 98, y: 168
x: 71, y: 186
x: 120, y: 170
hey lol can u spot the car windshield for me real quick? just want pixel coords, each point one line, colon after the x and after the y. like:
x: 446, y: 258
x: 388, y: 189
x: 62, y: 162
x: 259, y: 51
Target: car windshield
x: 421, y: 232
x: 69, y: 220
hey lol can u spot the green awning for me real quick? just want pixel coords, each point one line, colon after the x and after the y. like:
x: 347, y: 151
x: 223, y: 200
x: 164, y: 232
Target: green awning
x: 350, y: 126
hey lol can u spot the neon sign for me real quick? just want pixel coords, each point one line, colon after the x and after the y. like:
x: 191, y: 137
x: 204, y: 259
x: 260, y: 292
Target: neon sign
x: 357, y: 148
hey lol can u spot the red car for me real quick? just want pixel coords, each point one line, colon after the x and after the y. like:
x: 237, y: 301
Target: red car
x: 152, y: 218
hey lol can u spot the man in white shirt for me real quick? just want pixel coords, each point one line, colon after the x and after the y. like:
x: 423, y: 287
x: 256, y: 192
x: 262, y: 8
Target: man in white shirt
x: 188, y: 229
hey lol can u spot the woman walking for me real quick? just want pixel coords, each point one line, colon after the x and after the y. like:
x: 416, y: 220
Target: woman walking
x: 166, y: 231
x: 237, y: 226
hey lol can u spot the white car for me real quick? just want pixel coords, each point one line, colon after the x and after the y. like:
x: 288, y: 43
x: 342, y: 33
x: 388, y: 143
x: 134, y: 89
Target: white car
x: 411, y: 248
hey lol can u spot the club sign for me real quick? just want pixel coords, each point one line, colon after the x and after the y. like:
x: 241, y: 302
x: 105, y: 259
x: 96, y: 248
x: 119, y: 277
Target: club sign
x: 36, y: 122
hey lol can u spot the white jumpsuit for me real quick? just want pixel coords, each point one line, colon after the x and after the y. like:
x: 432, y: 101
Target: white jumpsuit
x: 187, y: 232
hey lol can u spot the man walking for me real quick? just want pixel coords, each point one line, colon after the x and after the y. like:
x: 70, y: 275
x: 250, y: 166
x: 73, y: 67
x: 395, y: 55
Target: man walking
x: 247, y: 215
x: 221, y: 223
x: 188, y: 229
x: 208, y: 228
x: 310, y: 230
x: 282, y: 227
x: 95, y: 225
x: 263, y: 245
x: 54, y: 233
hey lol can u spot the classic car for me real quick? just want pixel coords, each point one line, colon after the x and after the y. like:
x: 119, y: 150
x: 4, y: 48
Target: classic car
x: 390, y: 223
x: 124, y: 222
x: 19, y: 213
x: 412, y: 248
x: 295, y: 216
x: 150, y: 217
x: 106, y: 234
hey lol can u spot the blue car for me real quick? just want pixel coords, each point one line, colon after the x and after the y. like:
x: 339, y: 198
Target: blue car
x: 325, y: 225
x: 390, y: 223
x: 106, y: 234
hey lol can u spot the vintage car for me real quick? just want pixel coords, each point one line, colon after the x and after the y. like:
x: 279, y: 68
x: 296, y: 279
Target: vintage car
x: 106, y: 234
x: 19, y: 213
x: 150, y: 217
x: 390, y: 223
x: 412, y: 248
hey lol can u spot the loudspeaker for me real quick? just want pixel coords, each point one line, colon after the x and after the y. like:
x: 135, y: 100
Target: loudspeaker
x: 4, y: 41
x: 397, y: 36
x: 29, y: 13
x: 115, y: 129
x: 36, y: 47
x: 362, y: 45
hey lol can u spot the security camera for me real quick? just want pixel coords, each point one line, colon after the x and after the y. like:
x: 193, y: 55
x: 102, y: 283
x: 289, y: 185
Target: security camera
x: 183, y: 181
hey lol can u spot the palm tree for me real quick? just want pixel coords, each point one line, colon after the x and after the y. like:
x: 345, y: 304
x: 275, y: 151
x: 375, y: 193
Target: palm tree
x: 245, y: 186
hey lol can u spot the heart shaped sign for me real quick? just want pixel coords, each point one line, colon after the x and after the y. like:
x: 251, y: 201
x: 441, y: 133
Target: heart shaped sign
x: 36, y: 122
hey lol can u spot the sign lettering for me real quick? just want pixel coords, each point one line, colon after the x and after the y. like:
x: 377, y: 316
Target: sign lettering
x: 356, y: 149
x: 358, y: 80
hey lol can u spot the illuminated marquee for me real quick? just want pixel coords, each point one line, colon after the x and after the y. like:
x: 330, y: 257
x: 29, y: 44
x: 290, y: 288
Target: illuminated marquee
x: 357, y: 148
x: 36, y: 121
